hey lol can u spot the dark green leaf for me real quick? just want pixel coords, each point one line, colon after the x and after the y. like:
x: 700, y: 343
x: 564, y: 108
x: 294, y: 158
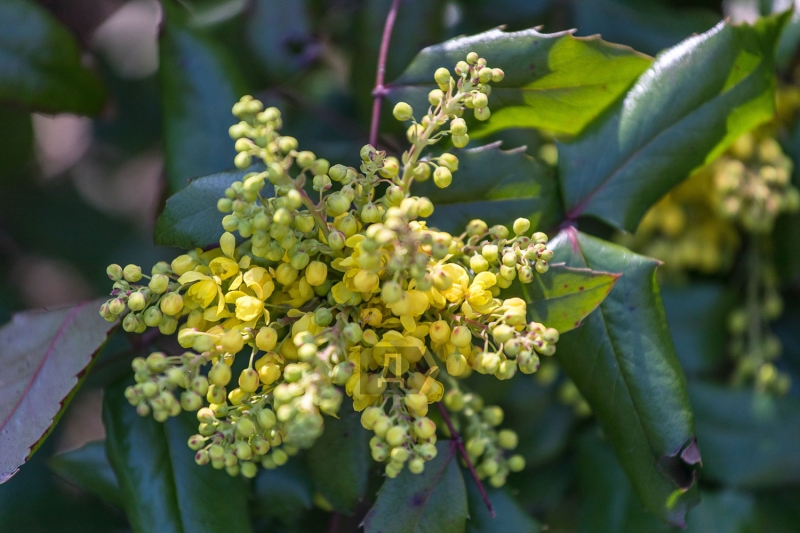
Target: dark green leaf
x: 345, y: 443
x: 199, y: 84
x: 608, y: 502
x: 285, y: 492
x: 623, y: 362
x: 553, y: 81
x: 697, y: 316
x: 163, y: 489
x: 88, y: 469
x: 40, y: 63
x: 16, y: 138
x: 191, y: 218
x: 562, y: 297
x: 44, y: 356
x: 279, y: 34
x: 511, y: 518
x: 682, y: 113
x: 648, y: 28
x: 432, y: 502
x: 749, y: 439
x: 497, y: 186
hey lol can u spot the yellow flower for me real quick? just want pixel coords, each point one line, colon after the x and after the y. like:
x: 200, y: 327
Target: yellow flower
x: 224, y: 267
x: 341, y: 293
x: 248, y: 308
x: 460, y: 282
x: 204, y: 289
x: 260, y: 282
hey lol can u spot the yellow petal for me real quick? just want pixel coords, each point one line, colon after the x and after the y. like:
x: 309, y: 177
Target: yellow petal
x: 409, y: 323
x: 228, y: 244
x: 191, y: 276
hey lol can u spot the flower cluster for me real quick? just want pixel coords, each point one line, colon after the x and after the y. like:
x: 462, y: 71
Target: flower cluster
x: 346, y: 293
x: 726, y: 208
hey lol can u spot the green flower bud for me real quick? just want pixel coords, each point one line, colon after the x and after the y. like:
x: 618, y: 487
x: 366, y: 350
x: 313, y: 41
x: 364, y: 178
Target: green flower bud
x: 480, y: 100
x: 320, y: 166
x: 132, y: 273
x: 478, y: 263
x: 462, y: 68
x: 472, y: 58
x: 449, y: 161
x: 485, y: 75
x: 171, y: 304
x: 323, y: 316
x: 117, y: 306
x: 402, y: 112
x: 493, y: 415
x: 287, y: 144
x: 242, y: 160
x: 245, y: 427
x: 442, y: 76
x: 516, y: 463
x: 458, y: 126
x: 220, y: 374
x: 436, y: 95
x: 442, y: 177
x: 391, y: 292
x: 337, y: 204
x: 521, y: 226
x: 168, y: 325
x: 352, y: 332
x: 336, y: 240
x: 482, y: 113
x: 191, y: 401
x: 541, y: 267
x: 305, y: 159
x: 130, y: 323
x: 460, y: 141
x: 497, y: 75
x: 454, y: 400
x: 424, y: 207
x: 159, y: 283
x: 321, y: 182
x: 114, y: 273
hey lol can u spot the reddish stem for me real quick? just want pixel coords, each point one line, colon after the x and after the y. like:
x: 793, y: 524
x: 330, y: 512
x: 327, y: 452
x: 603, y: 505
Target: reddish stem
x: 334, y: 524
x: 460, y: 443
x: 380, y: 91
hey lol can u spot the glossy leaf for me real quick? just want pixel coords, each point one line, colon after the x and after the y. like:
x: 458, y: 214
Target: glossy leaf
x: 748, y: 439
x: 40, y: 63
x: 199, y: 84
x: 647, y: 27
x: 432, y: 502
x: 725, y: 511
x: 163, y: 488
x: 511, y: 518
x: 285, y: 492
x: 344, y: 443
x: 88, y: 469
x: 44, y: 356
x: 496, y: 185
x: 190, y: 218
x: 562, y: 297
x: 623, y: 362
x: 552, y: 81
x: 682, y: 113
x: 608, y: 502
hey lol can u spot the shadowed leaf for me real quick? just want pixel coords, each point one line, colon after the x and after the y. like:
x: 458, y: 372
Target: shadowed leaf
x: 44, y: 356
x: 682, y: 113
x: 623, y: 362
x: 497, y: 186
x: 88, y: 469
x: 432, y: 502
x: 40, y: 63
x: 191, y: 218
x: 164, y: 490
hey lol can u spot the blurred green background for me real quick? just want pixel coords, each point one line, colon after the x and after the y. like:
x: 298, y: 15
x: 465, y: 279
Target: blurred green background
x: 78, y: 192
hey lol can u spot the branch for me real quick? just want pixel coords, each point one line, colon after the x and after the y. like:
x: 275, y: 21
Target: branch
x: 380, y: 91
x: 460, y: 443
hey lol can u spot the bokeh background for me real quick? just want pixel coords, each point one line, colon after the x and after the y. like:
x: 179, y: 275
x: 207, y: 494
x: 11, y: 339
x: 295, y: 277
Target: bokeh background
x: 80, y: 192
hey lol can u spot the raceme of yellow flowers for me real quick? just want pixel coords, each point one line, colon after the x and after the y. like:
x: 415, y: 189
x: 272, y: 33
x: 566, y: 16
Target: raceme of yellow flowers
x: 343, y: 290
